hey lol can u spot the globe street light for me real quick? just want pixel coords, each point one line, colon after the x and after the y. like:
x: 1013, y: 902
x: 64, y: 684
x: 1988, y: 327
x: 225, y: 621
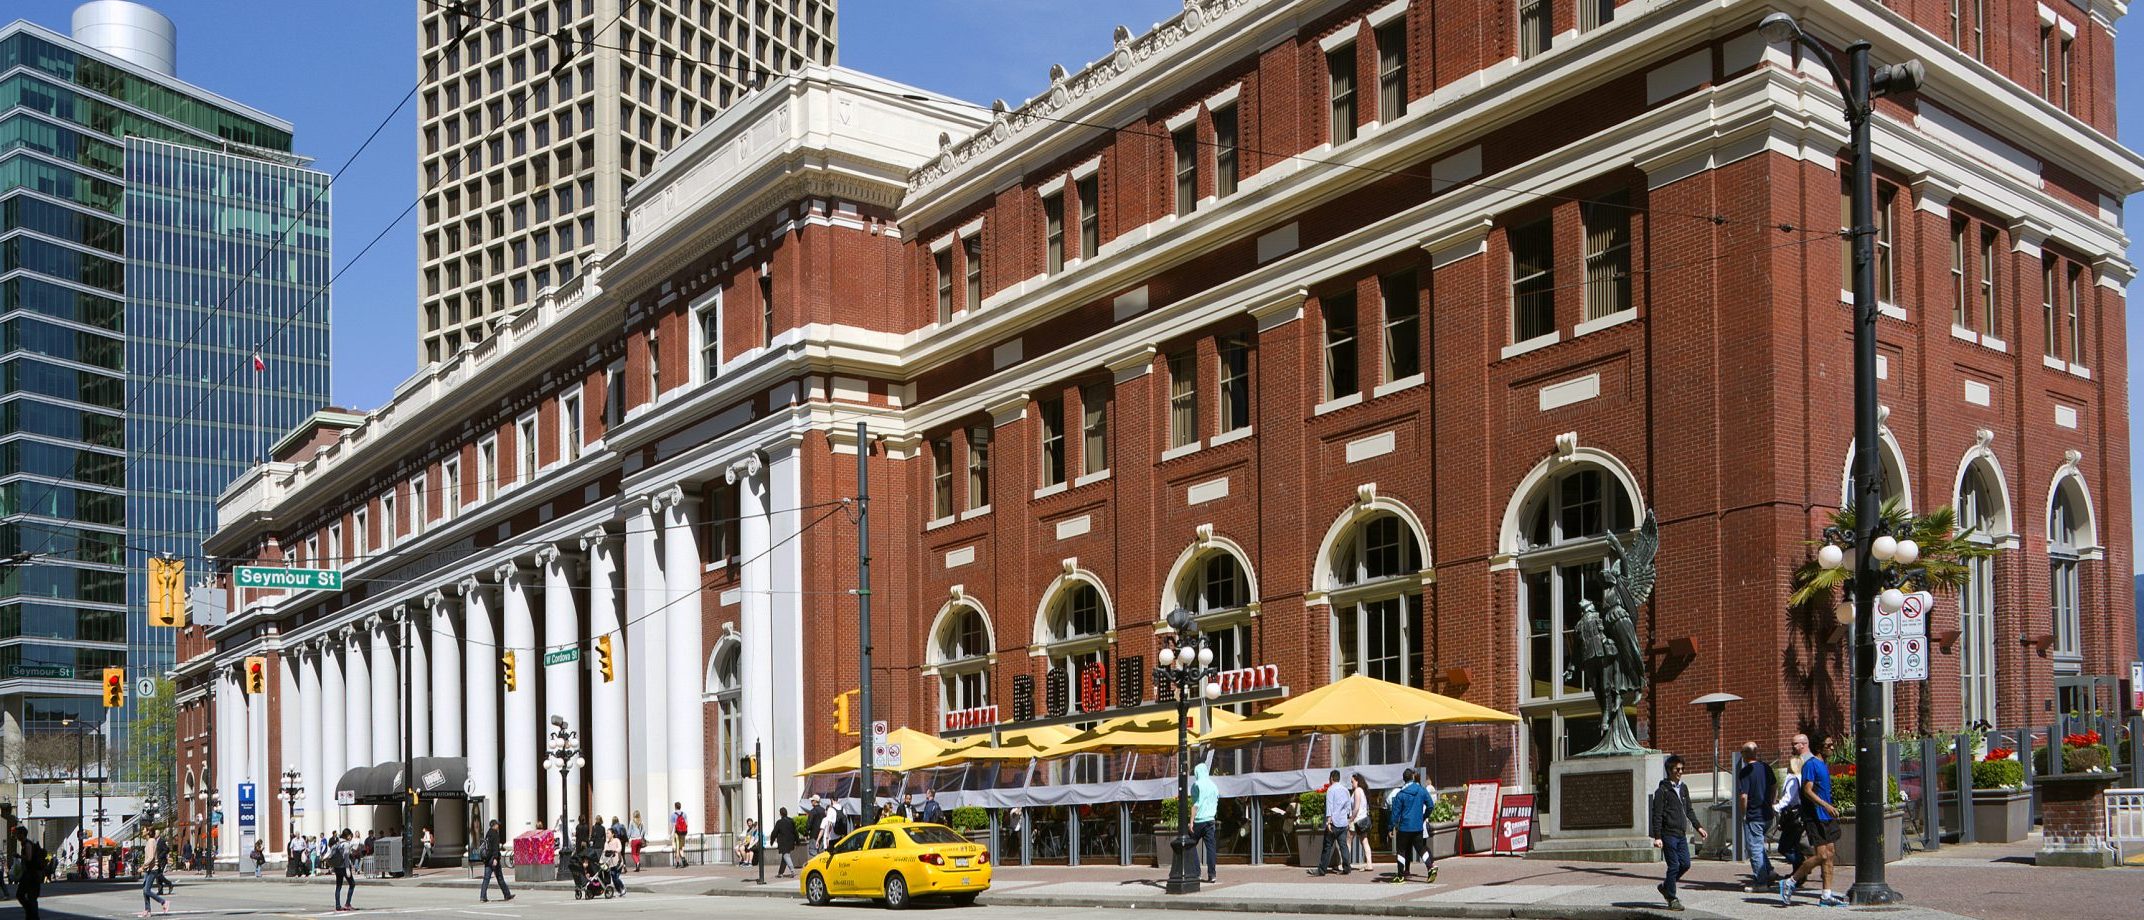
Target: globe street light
x: 1187, y: 668
x: 1859, y: 82
x: 293, y: 787
x: 564, y: 745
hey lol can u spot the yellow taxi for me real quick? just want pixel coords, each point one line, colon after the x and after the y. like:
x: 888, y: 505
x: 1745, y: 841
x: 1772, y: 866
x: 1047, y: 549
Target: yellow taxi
x: 894, y: 862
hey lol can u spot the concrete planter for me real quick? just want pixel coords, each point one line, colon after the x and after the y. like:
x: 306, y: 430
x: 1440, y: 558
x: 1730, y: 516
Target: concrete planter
x: 1309, y: 843
x: 2001, y: 815
x: 1164, y: 847
x: 1894, y: 836
x: 2074, y: 817
x: 1444, y: 840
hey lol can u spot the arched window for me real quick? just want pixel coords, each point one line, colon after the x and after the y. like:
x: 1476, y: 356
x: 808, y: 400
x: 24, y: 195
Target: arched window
x: 960, y: 650
x: 1215, y: 587
x: 1375, y: 586
x: 1075, y: 637
x: 2070, y: 540
x: 725, y: 681
x: 1892, y: 462
x: 1980, y: 513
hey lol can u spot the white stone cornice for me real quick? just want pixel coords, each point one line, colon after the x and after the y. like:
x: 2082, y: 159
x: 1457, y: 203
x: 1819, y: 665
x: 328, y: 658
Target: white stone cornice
x: 1007, y: 409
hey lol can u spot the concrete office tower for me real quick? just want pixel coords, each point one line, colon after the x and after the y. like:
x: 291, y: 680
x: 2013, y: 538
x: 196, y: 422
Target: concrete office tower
x: 537, y: 116
x: 131, y: 203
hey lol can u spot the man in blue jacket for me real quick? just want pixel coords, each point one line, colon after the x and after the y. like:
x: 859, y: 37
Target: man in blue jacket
x: 1205, y: 803
x: 1405, y: 814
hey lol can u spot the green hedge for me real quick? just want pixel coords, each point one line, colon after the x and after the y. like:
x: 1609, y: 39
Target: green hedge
x: 968, y: 818
x: 1998, y: 774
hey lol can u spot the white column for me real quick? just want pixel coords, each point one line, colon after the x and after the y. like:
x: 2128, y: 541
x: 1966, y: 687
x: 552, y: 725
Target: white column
x: 647, y: 692
x: 687, y: 735
x: 230, y: 735
x: 420, y: 682
x: 606, y: 732
x: 319, y: 786
x: 523, y: 738
x: 754, y: 606
x: 449, y: 818
x: 334, y: 730
x: 386, y: 690
x: 357, y: 701
x: 482, y: 697
x: 290, y: 747
x: 561, y: 681
x: 786, y: 650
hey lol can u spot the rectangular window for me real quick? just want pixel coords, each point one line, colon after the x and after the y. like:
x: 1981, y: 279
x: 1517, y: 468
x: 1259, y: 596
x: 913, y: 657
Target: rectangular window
x: 978, y: 467
x: 1533, y: 280
x: 1090, y: 215
x: 1980, y: 29
x: 1403, y: 343
x: 766, y: 307
x: 1053, y: 232
x: 1235, y: 383
x: 971, y: 249
x: 2047, y: 60
x: 419, y: 501
x: 336, y: 546
x: 1094, y: 428
x: 1536, y: 27
x: 389, y: 521
x: 1886, y: 278
x: 1183, y: 399
x: 1338, y: 310
x: 1592, y: 14
x: 614, y: 395
x: 2048, y: 324
x: 2062, y: 75
x: 727, y: 512
x: 1392, y: 70
x: 312, y: 553
x: 487, y: 463
x: 1340, y: 79
x: 942, y: 478
x: 1988, y: 313
x: 569, y: 426
x: 2064, y: 585
x: 707, y: 325
x: 1224, y: 151
x: 655, y: 366
x: 1186, y: 143
x: 1607, y: 222
x: 1960, y: 293
x: 450, y: 488
x: 525, y: 449
x: 2076, y: 325
x: 944, y: 262
x: 362, y: 521
x: 1053, y: 440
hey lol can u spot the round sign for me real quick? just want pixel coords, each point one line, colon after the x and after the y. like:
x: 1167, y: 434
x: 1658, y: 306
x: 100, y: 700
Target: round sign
x: 145, y: 688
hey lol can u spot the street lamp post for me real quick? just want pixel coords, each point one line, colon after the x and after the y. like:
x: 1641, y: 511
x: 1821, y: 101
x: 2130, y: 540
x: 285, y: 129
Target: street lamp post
x: 1859, y: 84
x: 81, y: 794
x: 293, y: 787
x: 1716, y: 704
x: 1186, y: 667
x: 565, y: 755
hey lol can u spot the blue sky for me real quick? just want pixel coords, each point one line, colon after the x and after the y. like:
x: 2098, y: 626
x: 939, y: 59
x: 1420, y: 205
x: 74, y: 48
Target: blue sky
x: 337, y: 67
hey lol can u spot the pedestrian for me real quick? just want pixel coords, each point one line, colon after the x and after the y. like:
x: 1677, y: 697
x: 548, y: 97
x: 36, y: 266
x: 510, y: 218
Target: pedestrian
x: 784, y: 837
x: 1406, y: 813
x: 259, y: 856
x: 813, y: 816
x: 829, y: 825
x: 341, y: 859
x: 1787, y: 813
x: 489, y: 852
x: 678, y: 829
x: 30, y: 882
x: 1819, y: 824
x: 748, y: 842
x: 1673, y: 819
x: 1359, y: 829
x: 425, y: 856
x: 614, y: 859
x: 1339, y: 815
x: 1205, y: 806
x: 152, y: 866
x: 1754, y: 790
x: 638, y: 834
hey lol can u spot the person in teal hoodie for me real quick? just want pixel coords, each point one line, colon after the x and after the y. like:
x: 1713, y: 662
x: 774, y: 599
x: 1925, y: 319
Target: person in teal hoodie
x: 1205, y: 803
x: 1406, y: 813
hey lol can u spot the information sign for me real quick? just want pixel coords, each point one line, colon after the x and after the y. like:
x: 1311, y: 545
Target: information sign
x: 275, y: 578
x: 1913, y: 616
x: 878, y: 731
x: 248, y: 812
x: 1480, y: 807
x: 561, y: 656
x: 1514, y: 823
x: 1913, y: 658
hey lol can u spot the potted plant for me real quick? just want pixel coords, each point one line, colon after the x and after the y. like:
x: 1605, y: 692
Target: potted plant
x: 2082, y: 752
x: 1165, y: 833
x: 1443, y: 827
x: 972, y: 821
x: 1845, y: 786
x: 2002, y: 807
x: 1309, y: 827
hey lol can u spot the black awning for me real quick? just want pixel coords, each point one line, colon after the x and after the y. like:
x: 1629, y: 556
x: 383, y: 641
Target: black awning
x: 382, y: 784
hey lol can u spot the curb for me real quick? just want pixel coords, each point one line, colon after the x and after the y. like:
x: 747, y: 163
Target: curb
x: 1471, y: 911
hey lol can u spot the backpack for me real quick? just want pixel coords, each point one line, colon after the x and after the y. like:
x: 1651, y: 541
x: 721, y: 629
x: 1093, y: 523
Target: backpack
x: 333, y: 857
x: 679, y: 824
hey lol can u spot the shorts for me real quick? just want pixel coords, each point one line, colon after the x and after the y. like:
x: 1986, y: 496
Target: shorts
x: 1821, y: 832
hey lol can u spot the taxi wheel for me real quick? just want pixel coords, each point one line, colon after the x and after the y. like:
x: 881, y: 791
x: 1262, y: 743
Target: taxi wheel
x: 966, y: 898
x: 815, y: 891
x: 896, y: 891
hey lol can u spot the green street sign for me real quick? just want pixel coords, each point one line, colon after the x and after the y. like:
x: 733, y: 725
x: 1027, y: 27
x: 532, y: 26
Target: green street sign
x: 58, y: 671
x: 561, y: 656
x: 280, y: 579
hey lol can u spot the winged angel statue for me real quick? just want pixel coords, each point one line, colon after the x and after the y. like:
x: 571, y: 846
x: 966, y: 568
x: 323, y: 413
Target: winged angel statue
x: 1609, y: 655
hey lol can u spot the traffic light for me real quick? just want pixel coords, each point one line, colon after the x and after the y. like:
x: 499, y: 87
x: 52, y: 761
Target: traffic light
x: 750, y: 766
x: 844, y: 720
x: 605, y: 663
x: 167, y: 592
x: 256, y: 675
x: 115, y: 687
x: 506, y: 671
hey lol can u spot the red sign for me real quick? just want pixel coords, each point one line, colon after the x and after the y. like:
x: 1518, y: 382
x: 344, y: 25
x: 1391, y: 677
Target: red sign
x: 1094, y: 687
x: 1514, y: 823
x: 977, y: 717
x: 1244, y: 680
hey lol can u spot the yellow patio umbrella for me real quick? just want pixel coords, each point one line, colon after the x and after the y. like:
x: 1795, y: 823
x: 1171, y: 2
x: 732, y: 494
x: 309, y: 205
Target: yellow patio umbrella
x: 1015, y: 746
x: 1153, y: 731
x: 915, y: 747
x: 1355, y: 703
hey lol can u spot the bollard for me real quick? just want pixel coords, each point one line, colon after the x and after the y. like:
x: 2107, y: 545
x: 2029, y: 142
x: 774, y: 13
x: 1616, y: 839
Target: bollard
x: 1963, y: 746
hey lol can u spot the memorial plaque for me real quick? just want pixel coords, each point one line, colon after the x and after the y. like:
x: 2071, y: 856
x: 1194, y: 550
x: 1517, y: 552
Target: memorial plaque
x: 1595, y: 801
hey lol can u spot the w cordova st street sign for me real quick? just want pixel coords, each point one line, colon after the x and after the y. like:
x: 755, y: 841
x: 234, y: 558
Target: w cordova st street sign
x: 280, y: 579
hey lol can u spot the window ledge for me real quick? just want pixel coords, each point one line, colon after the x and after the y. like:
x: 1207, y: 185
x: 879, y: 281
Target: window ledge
x: 2055, y: 363
x: 1090, y: 479
x: 1181, y: 451
x: 1617, y: 318
x: 974, y: 513
x: 716, y: 565
x: 940, y: 522
x: 1408, y: 382
x: 1335, y: 405
x: 1989, y: 341
x: 1229, y: 436
x: 1047, y: 491
x: 1891, y: 310
x: 1963, y: 334
x: 1516, y: 349
x: 2080, y: 370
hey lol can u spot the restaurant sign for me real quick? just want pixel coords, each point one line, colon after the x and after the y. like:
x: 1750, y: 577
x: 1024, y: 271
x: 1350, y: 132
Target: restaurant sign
x: 976, y: 717
x: 1245, y: 680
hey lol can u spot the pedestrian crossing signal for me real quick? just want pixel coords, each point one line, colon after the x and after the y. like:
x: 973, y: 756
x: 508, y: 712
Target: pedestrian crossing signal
x: 605, y: 663
x: 750, y: 766
x: 115, y: 687
x: 506, y: 673
x: 256, y: 675
x: 167, y: 592
x: 844, y: 720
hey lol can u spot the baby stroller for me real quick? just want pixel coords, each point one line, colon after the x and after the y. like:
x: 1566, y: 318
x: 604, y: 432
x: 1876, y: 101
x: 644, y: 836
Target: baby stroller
x: 594, y: 883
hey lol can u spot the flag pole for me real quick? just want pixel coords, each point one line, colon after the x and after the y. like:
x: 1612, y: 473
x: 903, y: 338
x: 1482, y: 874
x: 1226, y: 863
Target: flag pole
x: 258, y: 369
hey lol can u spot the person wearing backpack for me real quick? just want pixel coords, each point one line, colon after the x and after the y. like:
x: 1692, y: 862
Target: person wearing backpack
x: 678, y: 829
x: 490, y: 855
x: 341, y: 853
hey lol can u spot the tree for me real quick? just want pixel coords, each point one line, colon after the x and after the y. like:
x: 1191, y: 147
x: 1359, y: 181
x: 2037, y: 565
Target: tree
x: 51, y: 755
x: 151, y: 752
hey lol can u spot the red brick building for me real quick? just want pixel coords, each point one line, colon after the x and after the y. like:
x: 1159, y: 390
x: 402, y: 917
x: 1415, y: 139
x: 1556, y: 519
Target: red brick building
x: 1351, y: 327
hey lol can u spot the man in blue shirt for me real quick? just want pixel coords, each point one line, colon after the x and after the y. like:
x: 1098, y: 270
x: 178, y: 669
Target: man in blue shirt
x: 1753, y: 789
x: 1339, y: 815
x: 1820, y: 822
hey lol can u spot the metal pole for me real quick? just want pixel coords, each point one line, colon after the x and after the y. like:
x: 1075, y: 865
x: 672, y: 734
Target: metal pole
x: 81, y: 793
x: 759, y: 786
x: 863, y: 603
x: 1869, y: 886
x: 409, y: 744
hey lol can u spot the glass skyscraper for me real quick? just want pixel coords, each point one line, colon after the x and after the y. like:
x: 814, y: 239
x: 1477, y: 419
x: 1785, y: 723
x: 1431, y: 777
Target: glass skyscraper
x: 135, y: 210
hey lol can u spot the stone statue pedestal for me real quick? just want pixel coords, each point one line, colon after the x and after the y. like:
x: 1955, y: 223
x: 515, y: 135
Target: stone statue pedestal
x: 1599, y: 809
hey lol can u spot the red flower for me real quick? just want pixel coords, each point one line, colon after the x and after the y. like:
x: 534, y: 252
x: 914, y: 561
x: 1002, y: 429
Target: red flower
x: 1995, y: 754
x: 2081, y: 739
x: 1846, y: 769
